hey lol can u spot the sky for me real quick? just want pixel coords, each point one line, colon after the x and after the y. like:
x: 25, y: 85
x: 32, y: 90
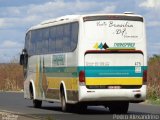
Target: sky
x: 16, y: 16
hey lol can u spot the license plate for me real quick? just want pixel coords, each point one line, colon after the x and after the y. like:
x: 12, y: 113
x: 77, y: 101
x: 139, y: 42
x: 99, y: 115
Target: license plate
x: 114, y: 87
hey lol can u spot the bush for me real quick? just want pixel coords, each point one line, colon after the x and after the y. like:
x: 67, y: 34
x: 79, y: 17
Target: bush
x: 11, y: 77
x: 153, y: 77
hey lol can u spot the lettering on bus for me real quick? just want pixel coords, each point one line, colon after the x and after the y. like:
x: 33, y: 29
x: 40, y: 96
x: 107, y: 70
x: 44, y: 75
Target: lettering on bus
x: 58, y: 60
x: 120, y: 28
x: 113, y: 24
x: 122, y: 25
x: 100, y: 23
x: 124, y: 45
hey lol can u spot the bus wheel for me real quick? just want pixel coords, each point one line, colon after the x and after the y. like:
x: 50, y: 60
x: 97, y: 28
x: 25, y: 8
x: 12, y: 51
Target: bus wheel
x: 64, y: 105
x: 119, y: 108
x: 37, y: 103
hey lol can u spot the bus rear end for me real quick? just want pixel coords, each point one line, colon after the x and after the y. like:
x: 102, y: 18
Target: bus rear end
x: 113, y: 61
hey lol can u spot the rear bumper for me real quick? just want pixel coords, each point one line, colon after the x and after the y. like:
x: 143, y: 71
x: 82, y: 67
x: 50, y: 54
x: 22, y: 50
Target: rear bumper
x: 93, y: 95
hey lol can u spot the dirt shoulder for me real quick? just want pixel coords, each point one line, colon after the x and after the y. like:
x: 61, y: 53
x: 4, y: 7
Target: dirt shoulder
x: 8, y: 115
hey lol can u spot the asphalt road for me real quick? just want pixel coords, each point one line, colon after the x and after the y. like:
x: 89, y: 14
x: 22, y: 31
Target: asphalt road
x: 15, y: 102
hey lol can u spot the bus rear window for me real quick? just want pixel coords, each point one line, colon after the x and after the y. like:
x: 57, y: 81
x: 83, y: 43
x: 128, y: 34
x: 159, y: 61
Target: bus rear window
x: 112, y: 17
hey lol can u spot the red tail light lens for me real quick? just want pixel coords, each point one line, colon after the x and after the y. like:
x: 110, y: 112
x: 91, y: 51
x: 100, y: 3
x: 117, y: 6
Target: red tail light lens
x: 81, y: 76
x: 144, y: 76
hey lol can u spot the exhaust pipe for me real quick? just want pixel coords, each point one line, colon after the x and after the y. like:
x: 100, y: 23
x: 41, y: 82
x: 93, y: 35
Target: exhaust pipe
x: 137, y: 95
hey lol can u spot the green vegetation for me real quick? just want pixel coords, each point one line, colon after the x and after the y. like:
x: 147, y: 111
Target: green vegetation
x: 153, y: 83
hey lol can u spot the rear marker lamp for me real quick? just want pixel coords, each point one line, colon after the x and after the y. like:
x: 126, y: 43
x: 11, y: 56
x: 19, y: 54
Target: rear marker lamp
x: 82, y: 76
x: 144, y: 76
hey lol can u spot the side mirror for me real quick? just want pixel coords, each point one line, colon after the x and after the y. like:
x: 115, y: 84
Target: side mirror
x: 21, y: 62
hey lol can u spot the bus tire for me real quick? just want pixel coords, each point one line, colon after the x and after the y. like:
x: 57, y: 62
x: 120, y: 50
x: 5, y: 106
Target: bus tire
x: 119, y: 108
x: 64, y: 105
x: 37, y: 103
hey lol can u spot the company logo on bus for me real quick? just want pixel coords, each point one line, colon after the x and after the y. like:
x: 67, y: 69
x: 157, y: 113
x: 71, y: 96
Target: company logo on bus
x: 101, y: 46
x: 116, y: 46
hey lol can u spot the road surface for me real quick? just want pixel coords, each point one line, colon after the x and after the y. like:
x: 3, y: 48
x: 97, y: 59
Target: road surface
x: 16, y: 104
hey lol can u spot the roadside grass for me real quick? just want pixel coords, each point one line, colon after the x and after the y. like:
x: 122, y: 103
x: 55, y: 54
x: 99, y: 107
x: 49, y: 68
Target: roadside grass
x: 152, y: 95
x: 154, y: 102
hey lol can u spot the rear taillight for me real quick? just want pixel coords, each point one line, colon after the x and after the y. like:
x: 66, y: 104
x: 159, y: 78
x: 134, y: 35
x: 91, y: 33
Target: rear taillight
x: 144, y: 76
x: 81, y: 76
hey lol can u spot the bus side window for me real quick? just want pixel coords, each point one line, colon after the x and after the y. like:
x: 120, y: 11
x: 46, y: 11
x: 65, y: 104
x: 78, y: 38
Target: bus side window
x: 39, y: 42
x: 32, y: 45
x: 74, y: 35
x: 45, y: 39
x: 67, y: 38
x: 52, y: 39
x: 59, y: 39
x: 27, y: 41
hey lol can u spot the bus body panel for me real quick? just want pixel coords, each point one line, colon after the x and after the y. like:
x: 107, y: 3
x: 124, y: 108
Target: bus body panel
x: 94, y: 95
x: 47, y: 79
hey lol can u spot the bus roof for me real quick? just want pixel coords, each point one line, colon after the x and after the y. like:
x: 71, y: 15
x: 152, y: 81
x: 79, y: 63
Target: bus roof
x: 71, y: 18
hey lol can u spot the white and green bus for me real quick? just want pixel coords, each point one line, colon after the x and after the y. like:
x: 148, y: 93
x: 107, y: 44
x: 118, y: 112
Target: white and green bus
x: 82, y: 60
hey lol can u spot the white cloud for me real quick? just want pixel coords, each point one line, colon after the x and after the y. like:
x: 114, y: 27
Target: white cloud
x: 14, y: 11
x: 59, y: 8
x: 152, y: 14
x: 2, y: 23
x: 150, y: 4
x: 33, y: 13
x: 108, y: 9
x: 10, y: 44
x: 153, y: 24
x: 5, y: 22
x: 49, y: 7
